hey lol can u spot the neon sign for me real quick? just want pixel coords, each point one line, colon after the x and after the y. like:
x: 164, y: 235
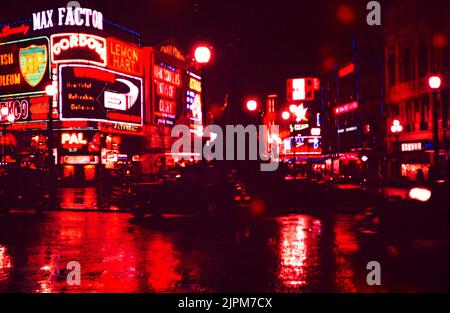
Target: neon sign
x: 24, y: 67
x: 124, y: 57
x: 172, y: 51
x: 83, y: 48
x: 299, y: 112
x: 73, y: 139
x: 8, y: 30
x: 167, y: 75
x: 167, y: 80
x: 19, y: 108
x: 92, y: 93
x: 298, y: 127
x: 195, y: 84
x: 68, y: 17
x: 300, y: 89
x: 348, y: 107
x: 165, y: 90
x: 194, y: 101
x: 167, y: 107
x: 346, y: 70
x: 411, y: 146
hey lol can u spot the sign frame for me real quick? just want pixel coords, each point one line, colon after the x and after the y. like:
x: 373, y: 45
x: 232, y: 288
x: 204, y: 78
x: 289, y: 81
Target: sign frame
x: 62, y: 118
x: 49, y: 70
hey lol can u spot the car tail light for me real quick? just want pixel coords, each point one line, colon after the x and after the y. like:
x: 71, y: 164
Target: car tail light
x: 246, y: 198
x: 237, y: 198
x: 420, y: 194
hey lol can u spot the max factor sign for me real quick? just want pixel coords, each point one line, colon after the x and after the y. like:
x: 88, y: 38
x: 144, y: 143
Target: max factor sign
x: 70, y: 16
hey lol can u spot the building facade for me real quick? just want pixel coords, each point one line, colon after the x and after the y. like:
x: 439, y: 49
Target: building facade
x: 80, y: 92
x: 417, y: 35
x: 353, y: 100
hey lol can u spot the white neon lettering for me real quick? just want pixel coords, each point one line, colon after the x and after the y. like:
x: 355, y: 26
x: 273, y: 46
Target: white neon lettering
x: 60, y: 16
x: 78, y: 20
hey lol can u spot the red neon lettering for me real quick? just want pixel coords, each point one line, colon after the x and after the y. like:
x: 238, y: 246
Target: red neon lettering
x: 83, y: 72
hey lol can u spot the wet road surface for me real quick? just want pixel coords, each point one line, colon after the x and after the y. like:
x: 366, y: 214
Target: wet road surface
x: 291, y: 253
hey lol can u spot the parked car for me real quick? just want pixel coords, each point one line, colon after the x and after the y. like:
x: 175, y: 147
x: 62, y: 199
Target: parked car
x: 24, y: 188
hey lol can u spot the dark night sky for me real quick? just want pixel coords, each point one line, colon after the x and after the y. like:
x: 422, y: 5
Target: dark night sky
x: 258, y: 44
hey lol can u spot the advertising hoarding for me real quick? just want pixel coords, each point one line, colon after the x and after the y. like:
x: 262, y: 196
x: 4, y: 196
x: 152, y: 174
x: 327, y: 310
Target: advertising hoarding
x: 24, y: 67
x: 92, y: 93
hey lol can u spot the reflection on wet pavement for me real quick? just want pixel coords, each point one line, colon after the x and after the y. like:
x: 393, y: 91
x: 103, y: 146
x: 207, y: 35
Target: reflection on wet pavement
x: 85, y: 198
x: 294, y: 253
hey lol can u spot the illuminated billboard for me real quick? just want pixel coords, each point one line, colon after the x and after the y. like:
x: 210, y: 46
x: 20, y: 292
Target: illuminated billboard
x: 92, y: 93
x: 302, y: 89
x: 124, y: 57
x: 194, y: 101
x: 168, y: 95
x: 81, y: 48
x: 27, y: 109
x: 24, y: 67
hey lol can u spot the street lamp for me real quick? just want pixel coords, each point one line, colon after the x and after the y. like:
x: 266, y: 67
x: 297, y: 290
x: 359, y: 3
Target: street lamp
x: 396, y: 129
x: 435, y: 83
x: 202, y: 54
x: 252, y: 105
x: 290, y: 116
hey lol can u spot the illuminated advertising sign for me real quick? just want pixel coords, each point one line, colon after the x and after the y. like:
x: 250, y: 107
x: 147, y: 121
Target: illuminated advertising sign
x: 411, y: 146
x: 73, y: 140
x: 167, y: 83
x: 195, y: 84
x: 79, y: 143
x: 302, y: 89
x: 345, y: 108
x: 68, y: 16
x: 24, y: 67
x: 298, y: 127
x: 7, y: 30
x: 194, y: 100
x: 83, y: 48
x: 346, y: 70
x: 124, y: 57
x: 172, y: 51
x: 91, y: 93
x: 27, y: 109
x: 120, y: 128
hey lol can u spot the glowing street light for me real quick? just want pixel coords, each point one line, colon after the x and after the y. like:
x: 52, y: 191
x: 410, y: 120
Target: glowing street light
x: 285, y: 115
x: 434, y: 82
x: 252, y: 105
x: 396, y: 128
x: 202, y: 54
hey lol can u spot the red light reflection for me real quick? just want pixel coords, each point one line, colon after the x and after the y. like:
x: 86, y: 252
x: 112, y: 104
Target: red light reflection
x: 299, y: 236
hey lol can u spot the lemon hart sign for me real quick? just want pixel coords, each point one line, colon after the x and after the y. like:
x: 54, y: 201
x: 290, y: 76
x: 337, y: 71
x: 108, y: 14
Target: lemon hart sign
x: 24, y: 67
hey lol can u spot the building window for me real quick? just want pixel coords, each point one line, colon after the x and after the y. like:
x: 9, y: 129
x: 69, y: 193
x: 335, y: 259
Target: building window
x: 423, y: 60
x: 391, y: 70
x: 424, y: 113
x: 407, y: 65
x: 409, y: 116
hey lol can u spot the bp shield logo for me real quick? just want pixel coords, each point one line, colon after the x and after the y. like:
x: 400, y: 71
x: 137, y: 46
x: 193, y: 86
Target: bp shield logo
x: 33, y: 63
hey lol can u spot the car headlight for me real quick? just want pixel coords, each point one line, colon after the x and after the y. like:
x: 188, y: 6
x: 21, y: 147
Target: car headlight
x: 420, y: 194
